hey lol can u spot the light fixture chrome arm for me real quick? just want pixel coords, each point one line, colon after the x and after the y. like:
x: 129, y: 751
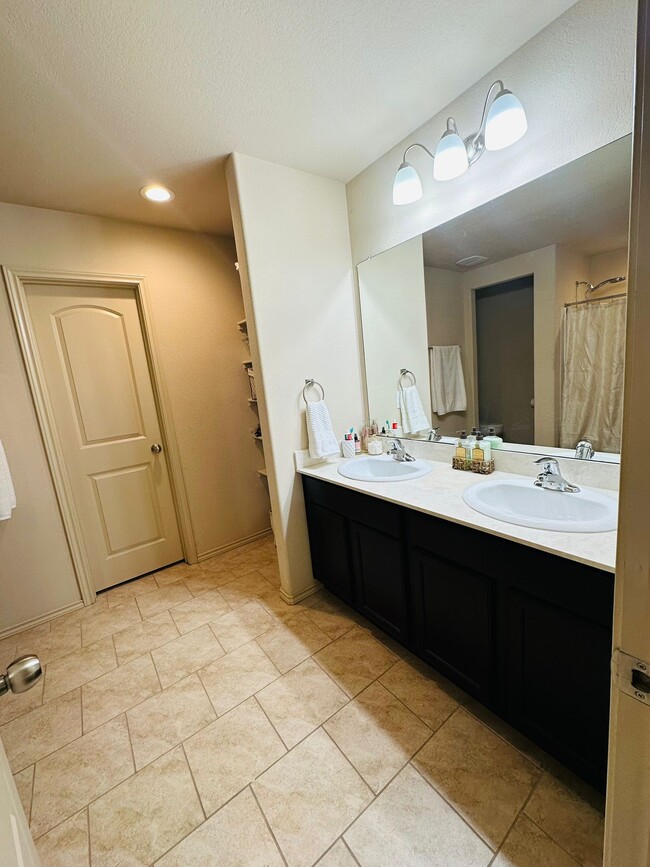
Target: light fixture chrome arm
x: 416, y: 145
x: 475, y: 143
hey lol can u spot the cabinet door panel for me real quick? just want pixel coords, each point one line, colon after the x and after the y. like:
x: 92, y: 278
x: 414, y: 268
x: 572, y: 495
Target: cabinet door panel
x: 558, y: 682
x: 380, y: 584
x: 454, y: 612
x: 330, y: 551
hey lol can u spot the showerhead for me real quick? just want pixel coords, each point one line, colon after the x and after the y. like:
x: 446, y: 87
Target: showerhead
x: 592, y: 288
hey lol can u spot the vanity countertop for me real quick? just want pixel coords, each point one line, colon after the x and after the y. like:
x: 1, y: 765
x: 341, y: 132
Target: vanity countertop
x: 440, y: 494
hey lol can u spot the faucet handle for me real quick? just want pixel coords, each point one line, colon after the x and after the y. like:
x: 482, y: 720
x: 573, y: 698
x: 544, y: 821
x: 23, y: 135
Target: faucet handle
x: 549, y: 464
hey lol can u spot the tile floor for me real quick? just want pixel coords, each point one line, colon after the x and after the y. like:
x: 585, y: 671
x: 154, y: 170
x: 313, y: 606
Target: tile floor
x: 191, y: 718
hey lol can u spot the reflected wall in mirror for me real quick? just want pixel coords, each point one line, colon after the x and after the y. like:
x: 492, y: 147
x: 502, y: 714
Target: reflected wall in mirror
x: 511, y: 316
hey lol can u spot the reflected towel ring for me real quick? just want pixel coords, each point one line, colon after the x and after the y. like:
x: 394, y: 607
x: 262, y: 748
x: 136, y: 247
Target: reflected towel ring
x: 404, y: 372
x: 308, y: 384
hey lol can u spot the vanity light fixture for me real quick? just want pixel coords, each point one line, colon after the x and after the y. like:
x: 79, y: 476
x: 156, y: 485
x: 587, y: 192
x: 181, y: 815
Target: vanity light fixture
x: 156, y: 193
x: 502, y: 124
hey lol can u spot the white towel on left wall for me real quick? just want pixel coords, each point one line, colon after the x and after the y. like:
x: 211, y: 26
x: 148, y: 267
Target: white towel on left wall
x: 7, y: 493
x: 322, y: 442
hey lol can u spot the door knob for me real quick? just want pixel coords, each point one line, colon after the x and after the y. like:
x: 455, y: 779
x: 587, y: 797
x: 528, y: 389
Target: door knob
x: 156, y: 448
x: 21, y: 674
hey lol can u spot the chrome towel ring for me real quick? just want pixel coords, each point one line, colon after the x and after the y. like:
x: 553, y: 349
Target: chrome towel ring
x: 309, y: 383
x: 404, y: 372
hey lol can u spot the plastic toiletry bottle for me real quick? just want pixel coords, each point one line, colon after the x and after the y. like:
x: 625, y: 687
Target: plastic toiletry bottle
x: 495, y: 441
x: 395, y: 429
x: 461, y: 446
x: 482, y: 450
x: 357, y: 445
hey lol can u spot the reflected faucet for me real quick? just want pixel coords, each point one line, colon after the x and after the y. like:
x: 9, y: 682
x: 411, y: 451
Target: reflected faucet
x: 434, y: 436
x: 584, y: 450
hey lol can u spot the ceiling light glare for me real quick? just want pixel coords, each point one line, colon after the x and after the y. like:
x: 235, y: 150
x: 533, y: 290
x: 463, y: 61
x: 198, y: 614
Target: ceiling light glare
x: 156, y: 193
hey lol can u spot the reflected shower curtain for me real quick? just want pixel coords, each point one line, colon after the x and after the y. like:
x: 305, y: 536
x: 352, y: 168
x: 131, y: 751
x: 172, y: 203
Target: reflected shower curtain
x: 592, y: 387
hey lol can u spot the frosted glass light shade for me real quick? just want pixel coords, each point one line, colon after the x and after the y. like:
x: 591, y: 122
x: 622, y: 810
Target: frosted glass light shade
x: 450, y: 159
x: 506, y: 122
x: 407, y: 187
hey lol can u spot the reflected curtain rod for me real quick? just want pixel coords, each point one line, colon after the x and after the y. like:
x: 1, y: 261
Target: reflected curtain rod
x: 596, y: 300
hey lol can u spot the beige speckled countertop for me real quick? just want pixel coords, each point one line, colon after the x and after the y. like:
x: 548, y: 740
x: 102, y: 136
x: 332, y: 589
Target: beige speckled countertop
x: 440, y: 494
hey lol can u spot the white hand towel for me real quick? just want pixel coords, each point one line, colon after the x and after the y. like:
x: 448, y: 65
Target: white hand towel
x: 7, y: 493
x: 322, y: 442
x: 411, y: 410
x: 447, y: 381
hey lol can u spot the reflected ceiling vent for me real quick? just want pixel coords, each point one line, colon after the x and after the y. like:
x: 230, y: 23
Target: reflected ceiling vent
x: 470, y: 261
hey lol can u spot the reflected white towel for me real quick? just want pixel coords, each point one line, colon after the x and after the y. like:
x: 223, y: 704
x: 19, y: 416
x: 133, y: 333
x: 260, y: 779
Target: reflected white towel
x: 322, y: 442
x: 411, y: 410
x: 7, y: 493
x: 447, y: 381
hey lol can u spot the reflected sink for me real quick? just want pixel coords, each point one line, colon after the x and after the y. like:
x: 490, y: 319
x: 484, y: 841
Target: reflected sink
x: 382, y: 468
x: 520, y: 502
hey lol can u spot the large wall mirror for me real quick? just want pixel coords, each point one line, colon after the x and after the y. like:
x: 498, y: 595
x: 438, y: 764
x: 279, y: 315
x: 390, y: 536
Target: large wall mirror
x: 510, y: 317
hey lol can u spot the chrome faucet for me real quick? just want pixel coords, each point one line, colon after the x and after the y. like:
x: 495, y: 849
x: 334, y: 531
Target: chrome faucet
x: 551, y: 479
x: 434, y: 436
x: 584, y: 450
x: 398, y: 452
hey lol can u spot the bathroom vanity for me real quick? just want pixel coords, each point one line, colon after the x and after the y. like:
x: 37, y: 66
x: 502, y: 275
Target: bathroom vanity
x: 525, y: 631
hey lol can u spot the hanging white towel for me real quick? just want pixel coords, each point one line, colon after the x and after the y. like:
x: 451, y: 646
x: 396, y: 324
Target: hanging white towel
x: 411, y: 410
x: 322, y: 442
x: 7, y: 493
x: 447, y: 381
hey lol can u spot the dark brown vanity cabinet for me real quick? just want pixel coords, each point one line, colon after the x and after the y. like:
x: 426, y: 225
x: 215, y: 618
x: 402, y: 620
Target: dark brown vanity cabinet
x: 525, y: 632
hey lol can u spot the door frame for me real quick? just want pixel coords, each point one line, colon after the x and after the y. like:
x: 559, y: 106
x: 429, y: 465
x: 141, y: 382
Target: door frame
x: 15, y: 280
x: 627, y: 816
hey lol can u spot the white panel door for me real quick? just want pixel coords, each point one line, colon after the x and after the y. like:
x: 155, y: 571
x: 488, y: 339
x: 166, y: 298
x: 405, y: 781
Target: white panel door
x: 99, y: 386
x: 16, y: 845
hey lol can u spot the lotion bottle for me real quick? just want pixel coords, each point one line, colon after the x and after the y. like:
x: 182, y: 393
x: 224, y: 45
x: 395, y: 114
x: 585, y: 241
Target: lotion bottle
x: 495, y: 441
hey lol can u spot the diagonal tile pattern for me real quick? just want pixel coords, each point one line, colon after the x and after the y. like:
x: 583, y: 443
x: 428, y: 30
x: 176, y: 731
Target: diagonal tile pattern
x: 223, y: 726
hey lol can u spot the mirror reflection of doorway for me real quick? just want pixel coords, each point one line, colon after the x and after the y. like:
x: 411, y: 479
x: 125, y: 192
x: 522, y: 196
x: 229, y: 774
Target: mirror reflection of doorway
x: 505, y: 358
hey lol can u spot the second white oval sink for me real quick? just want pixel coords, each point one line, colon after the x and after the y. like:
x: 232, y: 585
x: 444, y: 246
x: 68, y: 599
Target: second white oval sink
x: 382, y: 468
x: 519, y: 501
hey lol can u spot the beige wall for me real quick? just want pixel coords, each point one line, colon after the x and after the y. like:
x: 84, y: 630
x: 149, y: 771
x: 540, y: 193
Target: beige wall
x: 393, y: 313
x: 606, y: 265
x: 574, y: 106
x: 293, y: 246
x: 196, y: 302
x: 446, y: 327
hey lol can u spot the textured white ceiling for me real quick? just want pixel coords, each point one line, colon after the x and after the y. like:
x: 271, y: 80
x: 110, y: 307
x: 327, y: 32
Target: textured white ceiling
x: 99, y: 97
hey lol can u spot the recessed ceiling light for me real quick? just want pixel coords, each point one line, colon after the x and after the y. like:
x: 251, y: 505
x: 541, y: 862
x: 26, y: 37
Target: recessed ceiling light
x: 156, y: 193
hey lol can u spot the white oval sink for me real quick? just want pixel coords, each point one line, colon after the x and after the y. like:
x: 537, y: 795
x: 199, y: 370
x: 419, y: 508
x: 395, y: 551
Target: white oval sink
x: 520, y: 502
x: 382, y: 468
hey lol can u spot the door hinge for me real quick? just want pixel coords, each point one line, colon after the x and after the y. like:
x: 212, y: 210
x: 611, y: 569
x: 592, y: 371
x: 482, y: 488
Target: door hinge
x: 631, y: 675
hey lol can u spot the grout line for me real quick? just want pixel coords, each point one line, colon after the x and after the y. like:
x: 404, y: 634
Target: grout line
x: 460, y: 815
x: 196, y: 788
x: 31, y: 794
x: 345, y: 843
x: 550, y: 836
x: 128, y: 734
x: 287, y: 749
x: 90, y: 853
x: 268, y: 824
x: 516, y: 818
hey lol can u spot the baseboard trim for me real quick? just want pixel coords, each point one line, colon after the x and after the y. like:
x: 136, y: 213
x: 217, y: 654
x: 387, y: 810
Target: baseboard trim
x: 43, y: 618
x: 206, y: 555
x: 299, y: 597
